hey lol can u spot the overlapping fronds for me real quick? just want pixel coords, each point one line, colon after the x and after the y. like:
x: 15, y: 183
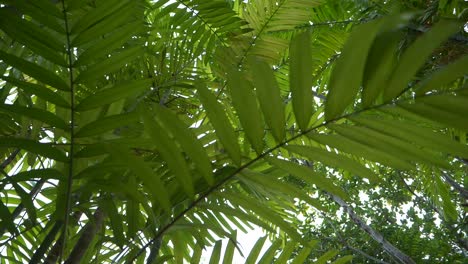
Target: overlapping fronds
x: 106, y: 168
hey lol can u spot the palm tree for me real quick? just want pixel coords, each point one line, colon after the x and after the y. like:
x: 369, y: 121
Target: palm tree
x: 136, y: 131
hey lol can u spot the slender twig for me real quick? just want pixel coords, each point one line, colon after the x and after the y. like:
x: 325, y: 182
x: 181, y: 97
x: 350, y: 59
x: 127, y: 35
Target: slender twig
x: 379, y: 238
x: 72, y: 136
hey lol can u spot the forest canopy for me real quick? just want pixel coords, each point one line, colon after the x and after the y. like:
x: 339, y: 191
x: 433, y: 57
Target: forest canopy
x: 155, y: 131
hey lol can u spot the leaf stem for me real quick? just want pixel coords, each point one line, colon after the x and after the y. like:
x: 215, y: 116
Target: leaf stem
x: 72, y: 136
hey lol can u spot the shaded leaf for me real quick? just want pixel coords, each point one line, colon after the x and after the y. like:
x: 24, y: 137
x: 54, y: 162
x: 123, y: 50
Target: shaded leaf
x: 444, y: 76
x: 36, y: 114
x: 113, y: 94
x: 37, y: 72
x: 38, y: 90
x: 109, y: 65
x: 29, y: 175
x: 188, y: 141
x: 170, y: 153
x: 116, y: 221
x: 7, y: 219
x: 379, y: 66
x: 397, y: 147
x: 220, y: 122
x: 346, y: 76
x: 361, y: 150
x: 416, y: 55
x: 26, y: 201
x: 243, y: 99
x: 300, y: 78
x: 308, y: 176
x: 106, y: 124
x: 419, y: 135
x: 43, y: 149
x: 268, y: 94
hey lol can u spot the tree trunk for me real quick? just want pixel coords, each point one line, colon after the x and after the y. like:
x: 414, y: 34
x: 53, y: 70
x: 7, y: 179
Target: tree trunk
x: 387, y: 246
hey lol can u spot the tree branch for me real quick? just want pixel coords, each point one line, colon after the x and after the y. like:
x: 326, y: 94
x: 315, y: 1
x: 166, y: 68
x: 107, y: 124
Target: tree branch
x: 387, y: 246
x: 346, y: 244
x: 461, y: 191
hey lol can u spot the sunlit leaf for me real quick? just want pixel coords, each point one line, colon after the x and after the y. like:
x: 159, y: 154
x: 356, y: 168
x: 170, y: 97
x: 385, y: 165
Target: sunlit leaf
x: 255, y: 251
